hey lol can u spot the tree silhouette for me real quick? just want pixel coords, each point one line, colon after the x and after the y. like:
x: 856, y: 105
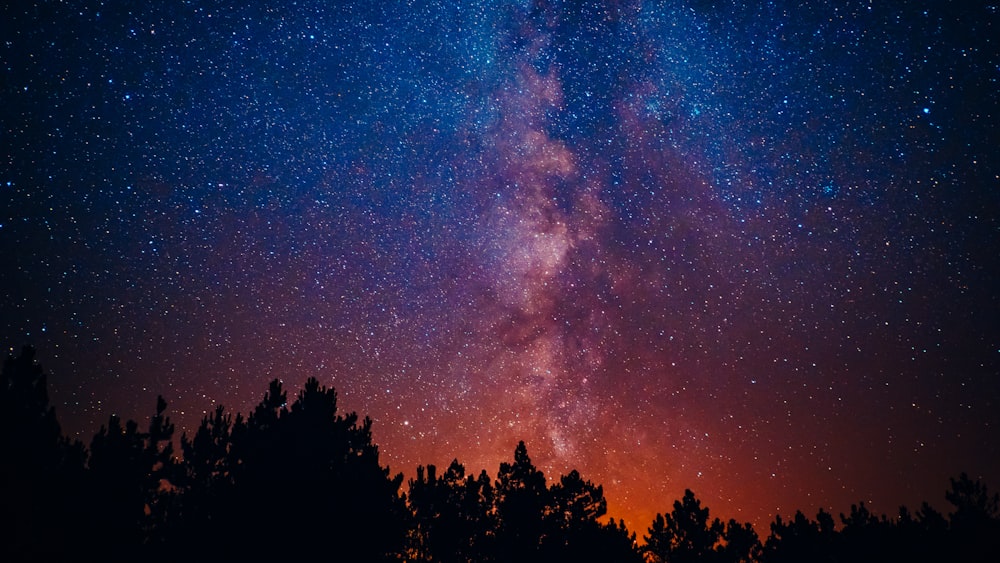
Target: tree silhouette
x: 27, y: 423
x: 922, y: 536
x: 452, y: 515
x: 975, y: 522
x: 201, y: 513
x: 974, y: 505
x: 572, y: 530
x: 458, y: 518
x: 40, y: 471
x: 305, y: 479
x: 575, y: 500
x: 302, y: 473
x: 685, y: 534
x: 741, y: 544
x: 520, y: 506
x: 128, y: 469
x: 865, y: 536
x: 801, y: 539
x: 613, y: 542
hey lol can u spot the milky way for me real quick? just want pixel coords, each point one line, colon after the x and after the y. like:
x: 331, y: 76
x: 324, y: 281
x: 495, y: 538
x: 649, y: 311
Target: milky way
x: 749, y: 250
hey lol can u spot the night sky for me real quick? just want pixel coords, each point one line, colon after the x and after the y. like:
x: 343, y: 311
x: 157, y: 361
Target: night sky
x: 747, y: 249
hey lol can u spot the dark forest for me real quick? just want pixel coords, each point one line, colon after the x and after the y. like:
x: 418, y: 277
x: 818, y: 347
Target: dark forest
x: 296, y: 478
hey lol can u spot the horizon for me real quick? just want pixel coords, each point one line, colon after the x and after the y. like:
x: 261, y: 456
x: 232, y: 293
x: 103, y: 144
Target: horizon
x: 637, y: 518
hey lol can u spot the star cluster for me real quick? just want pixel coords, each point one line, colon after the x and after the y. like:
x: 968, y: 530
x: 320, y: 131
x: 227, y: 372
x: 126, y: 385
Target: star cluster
x: 748, y: 249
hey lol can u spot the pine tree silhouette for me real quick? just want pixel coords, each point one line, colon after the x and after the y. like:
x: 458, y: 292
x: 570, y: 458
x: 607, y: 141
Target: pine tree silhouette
x: 127, y: 472
x: 741, y: 544
x: 304, y: 479
x: 520, y: 506
x: 975, y: 522
x: 299, y: 477
x: 452, y: 515
x: 685, y: 534
x: 572, y: 527
x: 41, y: 473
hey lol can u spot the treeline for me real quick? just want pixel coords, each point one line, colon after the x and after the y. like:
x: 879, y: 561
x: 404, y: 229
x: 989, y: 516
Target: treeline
x: 301, y: 480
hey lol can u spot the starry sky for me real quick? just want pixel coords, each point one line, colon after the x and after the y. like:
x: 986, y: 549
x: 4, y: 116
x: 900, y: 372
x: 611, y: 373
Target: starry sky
x: 747, y: 249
